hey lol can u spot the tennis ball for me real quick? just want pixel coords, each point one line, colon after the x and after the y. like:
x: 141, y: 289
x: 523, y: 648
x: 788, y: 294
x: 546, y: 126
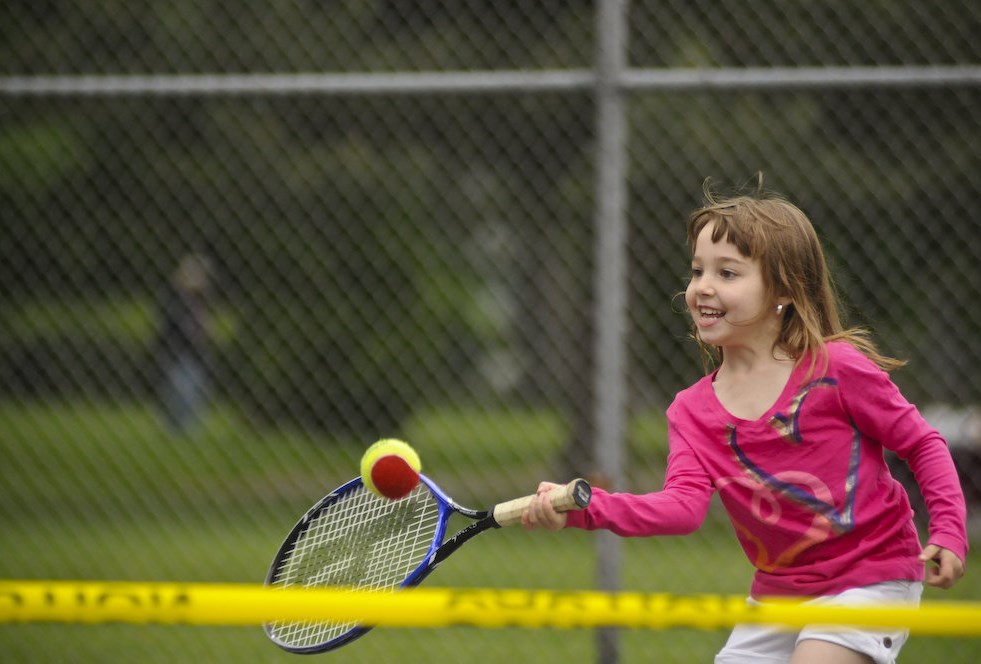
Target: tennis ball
x: 390, y: 468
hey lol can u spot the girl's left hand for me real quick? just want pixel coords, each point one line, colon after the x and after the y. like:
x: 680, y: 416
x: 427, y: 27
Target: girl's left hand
x: 948, y: 567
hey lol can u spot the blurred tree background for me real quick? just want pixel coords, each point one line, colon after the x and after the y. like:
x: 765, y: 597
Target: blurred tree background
x: 340, y: 226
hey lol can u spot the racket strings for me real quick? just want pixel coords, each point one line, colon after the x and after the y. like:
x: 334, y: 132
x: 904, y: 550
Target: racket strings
x: 358, y: 541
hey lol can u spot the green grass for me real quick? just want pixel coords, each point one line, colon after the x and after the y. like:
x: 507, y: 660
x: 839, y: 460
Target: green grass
x: 104, y: 492
x: 128, y: 320
x: 485, y: 439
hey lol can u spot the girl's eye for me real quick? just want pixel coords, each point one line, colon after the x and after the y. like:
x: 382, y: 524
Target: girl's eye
x: 696, y: 272
x: 727, y: 274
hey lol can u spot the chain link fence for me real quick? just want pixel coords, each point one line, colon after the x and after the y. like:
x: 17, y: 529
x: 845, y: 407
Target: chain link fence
x: 240, y: 242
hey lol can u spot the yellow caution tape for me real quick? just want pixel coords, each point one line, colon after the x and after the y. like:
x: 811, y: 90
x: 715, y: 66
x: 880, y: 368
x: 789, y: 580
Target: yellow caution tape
x: 96, y: 602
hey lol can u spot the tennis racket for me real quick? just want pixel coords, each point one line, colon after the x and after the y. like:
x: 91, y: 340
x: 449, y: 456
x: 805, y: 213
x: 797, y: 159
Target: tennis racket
x: 353, y: 538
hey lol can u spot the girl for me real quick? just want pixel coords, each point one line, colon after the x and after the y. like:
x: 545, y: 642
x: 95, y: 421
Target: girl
x: 790, y: 429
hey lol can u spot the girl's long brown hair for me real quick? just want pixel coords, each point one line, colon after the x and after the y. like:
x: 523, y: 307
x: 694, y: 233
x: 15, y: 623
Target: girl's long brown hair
x: 768, y: 228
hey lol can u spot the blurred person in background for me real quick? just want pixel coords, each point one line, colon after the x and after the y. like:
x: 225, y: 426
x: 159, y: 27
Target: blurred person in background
x: 183, y: 344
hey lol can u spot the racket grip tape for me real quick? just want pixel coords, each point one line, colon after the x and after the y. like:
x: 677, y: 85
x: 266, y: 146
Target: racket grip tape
x: 572, y: 496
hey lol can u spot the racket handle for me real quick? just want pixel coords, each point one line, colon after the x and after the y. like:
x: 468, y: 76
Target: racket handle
x: 572, y: 496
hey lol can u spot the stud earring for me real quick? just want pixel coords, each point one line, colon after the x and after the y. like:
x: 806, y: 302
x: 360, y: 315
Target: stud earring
x: 779, y: 309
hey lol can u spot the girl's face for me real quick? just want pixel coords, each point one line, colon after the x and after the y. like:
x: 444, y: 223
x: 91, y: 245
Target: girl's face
x: 726, y: 295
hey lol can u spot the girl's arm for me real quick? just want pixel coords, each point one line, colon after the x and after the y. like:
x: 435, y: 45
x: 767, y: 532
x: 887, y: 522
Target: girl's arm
x: 880, y: 410
x: 678, y: 509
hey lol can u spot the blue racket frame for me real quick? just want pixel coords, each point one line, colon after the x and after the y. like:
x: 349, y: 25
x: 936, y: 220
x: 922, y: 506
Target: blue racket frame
x: 438, y: 551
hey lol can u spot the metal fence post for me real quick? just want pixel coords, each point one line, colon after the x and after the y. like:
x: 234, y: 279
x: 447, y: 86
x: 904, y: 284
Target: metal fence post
x: 610, y: 284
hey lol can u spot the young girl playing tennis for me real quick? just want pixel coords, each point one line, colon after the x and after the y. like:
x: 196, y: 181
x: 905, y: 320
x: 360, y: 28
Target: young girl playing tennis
x: 790, y: 429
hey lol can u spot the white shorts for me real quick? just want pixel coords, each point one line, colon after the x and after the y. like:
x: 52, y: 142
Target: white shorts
x: 760, y: 644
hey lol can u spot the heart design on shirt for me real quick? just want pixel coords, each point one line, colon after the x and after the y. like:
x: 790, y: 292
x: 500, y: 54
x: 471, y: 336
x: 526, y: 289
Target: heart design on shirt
x: 842, y: 520
x: 789, y: 426
x: 798, y: 487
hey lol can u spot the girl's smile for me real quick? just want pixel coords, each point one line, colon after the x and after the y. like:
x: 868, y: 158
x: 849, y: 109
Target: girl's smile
x: 708, y: 317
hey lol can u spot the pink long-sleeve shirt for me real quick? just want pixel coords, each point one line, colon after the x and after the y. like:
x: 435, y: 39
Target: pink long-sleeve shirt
x: 806, y: 485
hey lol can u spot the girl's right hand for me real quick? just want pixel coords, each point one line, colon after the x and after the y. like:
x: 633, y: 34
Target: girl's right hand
x: 540, y: 513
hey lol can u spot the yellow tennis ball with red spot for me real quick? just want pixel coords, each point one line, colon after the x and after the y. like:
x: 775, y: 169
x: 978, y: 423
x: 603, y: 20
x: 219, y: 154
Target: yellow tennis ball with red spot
x: 390, y: 468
